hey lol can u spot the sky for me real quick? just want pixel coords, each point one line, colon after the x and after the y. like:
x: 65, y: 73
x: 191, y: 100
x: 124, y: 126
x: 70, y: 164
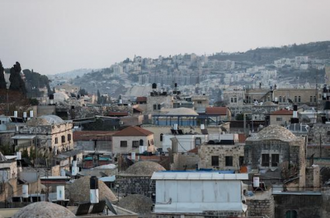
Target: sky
x: 54, y: 36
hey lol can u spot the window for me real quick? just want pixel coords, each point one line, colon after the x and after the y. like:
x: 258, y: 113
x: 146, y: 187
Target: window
x: 161, y: 137
x: 278, y: 118
x: 198, y: 141
x: 215, y: 161
x: 299, y: 99
x: 265, y: 160
x: 291, y: 214
x: 63, y: 138
x: 69, y: 137
x: 310, y: 98
x: 141, y: 142
x: 280, y: 98
x: 155, y: 106
x: 284, y: 99
x: 123, y: 144
x: 235, y: 100
x: 295, y: 98
x: 275, y: 160
x: 199, y: 102
x: 314, y: 98
x: 241, y: 160
x: 56, y: 140
x: 159, y: 106
x: 229, y: 161
x: 231, y: 100
x: 135, y: 144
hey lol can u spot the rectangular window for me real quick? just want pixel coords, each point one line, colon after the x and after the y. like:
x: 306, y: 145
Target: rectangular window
x: 278, y: 118
x: 229, y: 161
x: 299, y: 99
x: 295, y: 98
x: 315, y: 99
x: 135, y: 144
x: 235, y: 100
x: 159, y: 106
x: 275, y: 160
x: 215, y: 161
x: 231, y: 100
x: 310, y: 98
x: 63, y: 138
x: 155, y: 106
x: 123, y: 144
x: 199, y: 102
x: 69, y: 137
x: 265, y: 160
x: 56, y: 140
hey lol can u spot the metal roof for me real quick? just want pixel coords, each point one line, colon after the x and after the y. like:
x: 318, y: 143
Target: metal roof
x: 198, y: 176
x: 23, y: 137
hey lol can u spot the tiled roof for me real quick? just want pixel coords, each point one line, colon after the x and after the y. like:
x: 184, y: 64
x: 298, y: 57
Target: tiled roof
x: 194, y: 150
x: 133, y: 131
x: 241, y: 138
x: 111, y: 113
x: 282, y: 112
x: 216, y: 111
x: 92, y: 135
x: 141, y: 99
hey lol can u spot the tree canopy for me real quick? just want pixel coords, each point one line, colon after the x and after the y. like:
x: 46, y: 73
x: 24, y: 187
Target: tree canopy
x: 16, y: 81
x: 2, y: 77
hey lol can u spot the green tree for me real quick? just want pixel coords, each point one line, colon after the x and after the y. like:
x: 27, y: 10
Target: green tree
x: 2, y: 77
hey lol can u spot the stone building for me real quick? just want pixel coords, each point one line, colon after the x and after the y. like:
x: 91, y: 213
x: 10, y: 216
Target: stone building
x: 51, y: 133
x: 225, y: 154
x: 276, y: 149
x: 158, y: 100
x: 280, y: 117
x: 133, y: 139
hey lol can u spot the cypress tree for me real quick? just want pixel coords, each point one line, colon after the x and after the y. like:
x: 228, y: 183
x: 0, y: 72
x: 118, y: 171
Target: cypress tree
x: 16, y: 81
x: 2, y: 77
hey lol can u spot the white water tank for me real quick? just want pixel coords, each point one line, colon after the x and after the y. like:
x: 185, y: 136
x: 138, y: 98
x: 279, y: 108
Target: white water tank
x: 74, y: 170
x: 175, y: 126
x: 24, y: 114
x: 133, y: 156
x: 94, y: 190
x: 31, y: 114
x: 25, y: 191
x: 202, y: 126
x: 256, y: 182
x: 62, y: 172
x: 15, y: 113
x: 60, y: 192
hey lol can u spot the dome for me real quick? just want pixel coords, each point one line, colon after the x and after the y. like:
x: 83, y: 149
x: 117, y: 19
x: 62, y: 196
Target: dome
x: 139, y: 204
x: 144, y: 168
x: 274, y: 132
x: 79, y: 190
x: 43, y: 209
x: 45, y: 120
x: 182, y: 111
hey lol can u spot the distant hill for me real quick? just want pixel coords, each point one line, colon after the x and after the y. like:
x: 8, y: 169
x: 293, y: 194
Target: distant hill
x: 72, y: 74
x: 260, y: 56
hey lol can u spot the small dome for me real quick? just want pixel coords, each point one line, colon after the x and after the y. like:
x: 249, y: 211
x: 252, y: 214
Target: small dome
x: 182, y: 111
x: 274, y: 132
x: 43, y: 209
x: 45, y: 120
x: 144, y: 168
x: 139, y: 204
x: 79, y: 190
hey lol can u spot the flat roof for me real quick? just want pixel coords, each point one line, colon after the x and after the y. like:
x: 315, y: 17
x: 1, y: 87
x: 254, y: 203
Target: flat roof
x: 191, y: 175
x: 23, y: 137
x: 309, y: 193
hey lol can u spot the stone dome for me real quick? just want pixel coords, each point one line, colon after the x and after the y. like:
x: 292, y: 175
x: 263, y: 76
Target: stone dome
x: 182, y: 111
x: 144, y: 168
x: 43, y: 209
x: 274, y: 132
x: 139, y: 204
x: 45, y: 120
x: 79, y: 190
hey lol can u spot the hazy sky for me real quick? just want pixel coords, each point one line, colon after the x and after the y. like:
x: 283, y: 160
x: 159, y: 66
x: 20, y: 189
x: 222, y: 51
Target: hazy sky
x: 57, y: 36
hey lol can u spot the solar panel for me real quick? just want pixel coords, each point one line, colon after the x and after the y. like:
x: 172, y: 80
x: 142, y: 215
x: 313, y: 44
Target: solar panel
x: 110, y: 207
x: 98, y: 208
x: 83, y: 208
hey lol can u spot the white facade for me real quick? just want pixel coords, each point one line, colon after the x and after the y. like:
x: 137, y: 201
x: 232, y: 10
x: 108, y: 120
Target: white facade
x: 197, y: 192
x: 185, y: 142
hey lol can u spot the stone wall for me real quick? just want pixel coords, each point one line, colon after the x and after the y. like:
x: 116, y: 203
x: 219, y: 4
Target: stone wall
x: 136, y: 185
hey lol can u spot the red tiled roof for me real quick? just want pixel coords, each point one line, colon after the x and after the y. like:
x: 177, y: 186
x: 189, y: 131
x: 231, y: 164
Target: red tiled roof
x: 133, y: 131
x: 241, y: 138
x: 111, y: 113
x: 282, y: 112
x: 93, y: 135
x: 216, y: 111
x: 141, y: 99
x: 194, y: 150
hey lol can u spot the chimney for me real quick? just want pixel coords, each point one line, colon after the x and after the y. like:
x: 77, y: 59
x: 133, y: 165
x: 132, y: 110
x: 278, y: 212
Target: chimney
x: 94, y: 190
x: 174, y: 145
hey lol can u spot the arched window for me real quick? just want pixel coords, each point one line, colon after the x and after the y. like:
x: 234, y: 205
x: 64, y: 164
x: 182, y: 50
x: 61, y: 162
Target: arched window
x: 161, y: 137
x: 141, y: 142
x: 291, y: 214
